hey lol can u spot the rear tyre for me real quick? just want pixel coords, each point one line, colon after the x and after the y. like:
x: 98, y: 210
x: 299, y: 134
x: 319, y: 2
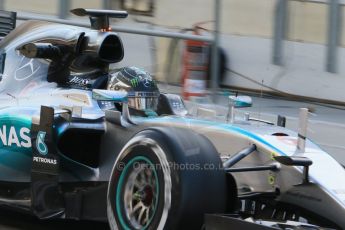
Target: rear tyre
x: 165, y: 178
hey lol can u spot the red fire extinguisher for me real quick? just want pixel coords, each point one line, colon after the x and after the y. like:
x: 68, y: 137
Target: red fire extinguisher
x: 195, y: 66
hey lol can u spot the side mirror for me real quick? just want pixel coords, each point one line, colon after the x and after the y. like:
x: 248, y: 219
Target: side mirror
x: 237, y: 102
x: 109, y: 95
x: 240, y: 101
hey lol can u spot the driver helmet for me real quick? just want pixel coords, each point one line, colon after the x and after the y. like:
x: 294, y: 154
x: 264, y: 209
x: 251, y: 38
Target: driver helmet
x: 142, y: 90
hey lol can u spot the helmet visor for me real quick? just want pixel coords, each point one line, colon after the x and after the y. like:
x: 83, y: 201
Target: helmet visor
x: 143, y: 100
x: 143, y: 103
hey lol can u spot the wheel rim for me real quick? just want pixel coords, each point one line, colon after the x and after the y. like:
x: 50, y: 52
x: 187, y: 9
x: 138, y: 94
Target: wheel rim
x: 138, y: 190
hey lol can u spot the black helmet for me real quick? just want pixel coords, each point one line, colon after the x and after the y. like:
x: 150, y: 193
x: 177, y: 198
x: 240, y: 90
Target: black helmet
x: 142, y: 90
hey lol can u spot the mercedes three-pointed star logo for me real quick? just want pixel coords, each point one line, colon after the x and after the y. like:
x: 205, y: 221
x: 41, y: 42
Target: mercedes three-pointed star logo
x: 26, y: 69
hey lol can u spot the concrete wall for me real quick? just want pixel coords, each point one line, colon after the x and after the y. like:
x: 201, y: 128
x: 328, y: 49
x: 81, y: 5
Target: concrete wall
x: 34, y: 6
x: 307, y: 21
x: 247, y: 17
x: 48, y: 6
x: 247, y: 30
x: 244, y: 17
x: 303, y: 72
x: 182, y: 13
x: 96, y: 4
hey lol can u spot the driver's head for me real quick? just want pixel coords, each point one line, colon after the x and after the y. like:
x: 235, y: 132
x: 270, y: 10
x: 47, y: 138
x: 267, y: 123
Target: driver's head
x: 142, y: 90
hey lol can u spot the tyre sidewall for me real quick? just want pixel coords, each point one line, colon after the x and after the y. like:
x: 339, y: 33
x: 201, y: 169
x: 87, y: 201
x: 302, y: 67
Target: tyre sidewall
x: 194, y: 191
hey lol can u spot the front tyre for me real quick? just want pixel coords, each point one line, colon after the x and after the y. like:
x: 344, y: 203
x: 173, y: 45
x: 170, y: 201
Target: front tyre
x: 165, y: 178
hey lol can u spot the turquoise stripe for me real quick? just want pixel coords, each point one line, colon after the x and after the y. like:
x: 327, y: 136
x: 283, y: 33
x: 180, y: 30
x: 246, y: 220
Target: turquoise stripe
x: 120, y: 186
x: 227, y: 127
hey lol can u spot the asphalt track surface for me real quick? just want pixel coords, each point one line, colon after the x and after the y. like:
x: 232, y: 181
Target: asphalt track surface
x: 16, y: 221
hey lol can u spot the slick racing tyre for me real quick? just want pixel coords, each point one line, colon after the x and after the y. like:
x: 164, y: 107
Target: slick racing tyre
x: 165, y: 178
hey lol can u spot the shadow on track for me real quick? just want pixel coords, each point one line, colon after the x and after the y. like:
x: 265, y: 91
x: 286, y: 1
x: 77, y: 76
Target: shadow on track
x: 10, y: 220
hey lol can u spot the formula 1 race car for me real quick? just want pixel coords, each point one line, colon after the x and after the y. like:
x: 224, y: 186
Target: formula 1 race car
x: 80, y: 140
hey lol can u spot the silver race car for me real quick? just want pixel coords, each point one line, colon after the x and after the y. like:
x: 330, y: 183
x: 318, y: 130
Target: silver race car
x: 81, y: 140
